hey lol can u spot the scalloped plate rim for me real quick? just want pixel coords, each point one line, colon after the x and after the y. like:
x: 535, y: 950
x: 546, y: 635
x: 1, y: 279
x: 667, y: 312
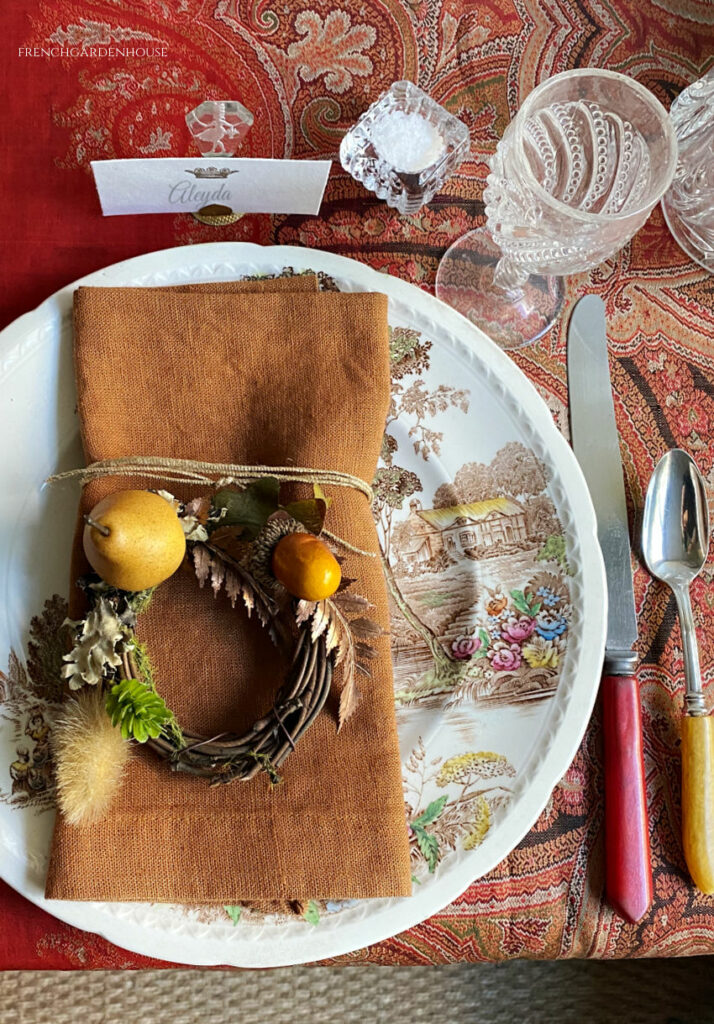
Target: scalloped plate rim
x: 324, y: 941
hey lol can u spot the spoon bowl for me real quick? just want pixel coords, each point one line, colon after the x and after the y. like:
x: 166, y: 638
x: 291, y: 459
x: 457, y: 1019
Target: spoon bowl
x: 675, y: 528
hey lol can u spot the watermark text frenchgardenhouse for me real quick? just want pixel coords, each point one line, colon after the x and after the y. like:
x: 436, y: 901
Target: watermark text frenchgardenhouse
x: 92, y: 51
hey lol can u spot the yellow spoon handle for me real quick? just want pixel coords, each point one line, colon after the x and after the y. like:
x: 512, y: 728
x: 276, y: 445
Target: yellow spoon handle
x: 698, y: 799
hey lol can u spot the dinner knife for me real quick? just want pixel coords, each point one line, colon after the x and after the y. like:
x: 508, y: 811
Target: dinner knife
x: 628, y: 866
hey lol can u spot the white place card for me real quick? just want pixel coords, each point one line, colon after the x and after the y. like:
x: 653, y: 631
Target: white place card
x: 185, y: 185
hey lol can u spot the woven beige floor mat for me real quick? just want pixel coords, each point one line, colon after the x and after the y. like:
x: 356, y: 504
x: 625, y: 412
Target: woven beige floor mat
x: 644, y: 992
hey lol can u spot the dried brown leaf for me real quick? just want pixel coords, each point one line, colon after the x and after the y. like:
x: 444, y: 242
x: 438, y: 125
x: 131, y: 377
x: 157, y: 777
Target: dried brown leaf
x: 332, y: 636
x: 233, y: 586
x: 343, y: 636
x: 198, y: 507
x: 364, y: 650
x: 345, y: 582
x: 320, y: 619
x: 201, y: 562
x: 351, y: 603
x: 218, y: 573
x: 366, y: 628
x: 344, y: 646
x: 228, y: 539
x: 350, y: 695
x: 248, y: 598
x: 311, y: 513
x: 303, y: 611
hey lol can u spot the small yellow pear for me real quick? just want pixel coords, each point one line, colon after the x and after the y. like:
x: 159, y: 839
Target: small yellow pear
x: 306, y: 567
x: 134, y: 540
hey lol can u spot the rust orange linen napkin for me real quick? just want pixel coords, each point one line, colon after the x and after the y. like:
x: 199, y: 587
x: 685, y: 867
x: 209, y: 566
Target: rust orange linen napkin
x: 278, y: 377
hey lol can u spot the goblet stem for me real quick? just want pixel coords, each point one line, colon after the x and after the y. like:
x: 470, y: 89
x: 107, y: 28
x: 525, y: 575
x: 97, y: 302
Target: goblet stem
x: 495, y: 292
x: 510, y: 278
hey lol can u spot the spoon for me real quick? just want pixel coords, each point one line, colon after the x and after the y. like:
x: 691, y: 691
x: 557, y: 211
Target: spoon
x: 675, y: 541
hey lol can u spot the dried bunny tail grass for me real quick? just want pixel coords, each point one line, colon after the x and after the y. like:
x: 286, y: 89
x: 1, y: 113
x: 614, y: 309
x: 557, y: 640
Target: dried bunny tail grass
x: 90, y: 756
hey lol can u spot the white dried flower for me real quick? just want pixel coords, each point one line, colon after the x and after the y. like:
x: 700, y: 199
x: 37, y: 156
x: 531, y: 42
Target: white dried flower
x: 167, y: 496
x: 193, y: 530
x: 95, y: 646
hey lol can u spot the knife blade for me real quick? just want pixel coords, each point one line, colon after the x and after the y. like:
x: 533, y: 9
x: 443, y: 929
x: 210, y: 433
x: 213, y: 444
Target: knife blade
x: 628, y: 866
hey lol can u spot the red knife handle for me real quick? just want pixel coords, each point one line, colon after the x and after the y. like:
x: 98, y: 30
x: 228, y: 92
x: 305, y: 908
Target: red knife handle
x: 628, y: 864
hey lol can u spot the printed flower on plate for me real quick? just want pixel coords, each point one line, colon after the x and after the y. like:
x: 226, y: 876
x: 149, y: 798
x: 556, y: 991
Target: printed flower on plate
x: 550, y: 625
x: 541, y: 653
x: 517, y: 628
x: 505, y: 657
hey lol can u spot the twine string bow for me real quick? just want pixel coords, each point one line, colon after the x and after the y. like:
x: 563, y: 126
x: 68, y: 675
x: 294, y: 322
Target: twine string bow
x: 217, y: 474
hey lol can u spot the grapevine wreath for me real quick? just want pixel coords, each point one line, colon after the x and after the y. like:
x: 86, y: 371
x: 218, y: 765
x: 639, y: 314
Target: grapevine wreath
x: 276, y: 560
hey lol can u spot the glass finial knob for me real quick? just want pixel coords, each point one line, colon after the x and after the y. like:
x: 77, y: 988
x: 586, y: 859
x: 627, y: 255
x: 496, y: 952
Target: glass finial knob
x: 218, y: 127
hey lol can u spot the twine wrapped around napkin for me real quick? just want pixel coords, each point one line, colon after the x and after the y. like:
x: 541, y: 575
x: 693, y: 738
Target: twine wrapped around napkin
x: 289, y: 376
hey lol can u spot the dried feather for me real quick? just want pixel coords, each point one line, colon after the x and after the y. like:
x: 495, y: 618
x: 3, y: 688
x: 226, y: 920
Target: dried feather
x: 320, y: 620
x: 233, y: 587
x: 90, y: 756
x: 366, y: 628
x: 364, y: 669
x: 352, y: 603
x: 218, y: 572
x: 201, y: 562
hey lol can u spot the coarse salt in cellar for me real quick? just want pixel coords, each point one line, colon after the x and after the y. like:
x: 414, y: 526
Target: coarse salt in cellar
x: 404, y: 147
x: 407, y: 141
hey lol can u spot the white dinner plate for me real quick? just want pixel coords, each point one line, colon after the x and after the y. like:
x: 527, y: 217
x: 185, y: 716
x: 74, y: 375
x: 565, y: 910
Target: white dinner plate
x: 490, y: 535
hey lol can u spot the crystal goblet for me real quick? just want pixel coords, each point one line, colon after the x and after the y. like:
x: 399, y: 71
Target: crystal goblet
x: 688, y: 205
x: 575, y: 175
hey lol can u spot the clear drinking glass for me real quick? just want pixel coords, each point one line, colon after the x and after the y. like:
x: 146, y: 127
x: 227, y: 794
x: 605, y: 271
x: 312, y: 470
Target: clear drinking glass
x: 576, y: 174
x: 688, y: 205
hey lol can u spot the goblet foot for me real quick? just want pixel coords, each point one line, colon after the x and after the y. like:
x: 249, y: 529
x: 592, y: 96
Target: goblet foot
x: 512, y: 312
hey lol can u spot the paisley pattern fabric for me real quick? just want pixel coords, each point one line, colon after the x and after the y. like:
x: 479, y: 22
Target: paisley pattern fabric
x: 307, y: 69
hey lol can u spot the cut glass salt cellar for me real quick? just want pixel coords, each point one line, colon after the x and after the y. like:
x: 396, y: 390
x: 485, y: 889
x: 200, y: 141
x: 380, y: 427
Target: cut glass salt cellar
x: 219, y: 126
x: 404, y: 147
x: 688, y: 205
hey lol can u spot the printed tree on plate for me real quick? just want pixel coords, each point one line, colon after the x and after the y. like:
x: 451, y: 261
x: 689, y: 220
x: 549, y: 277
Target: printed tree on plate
x: 514, y: 472
x: 411, y: 400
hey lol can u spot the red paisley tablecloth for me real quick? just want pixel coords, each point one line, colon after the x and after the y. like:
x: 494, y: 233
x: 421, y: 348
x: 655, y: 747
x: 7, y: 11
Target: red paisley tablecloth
x: 307, y: 69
